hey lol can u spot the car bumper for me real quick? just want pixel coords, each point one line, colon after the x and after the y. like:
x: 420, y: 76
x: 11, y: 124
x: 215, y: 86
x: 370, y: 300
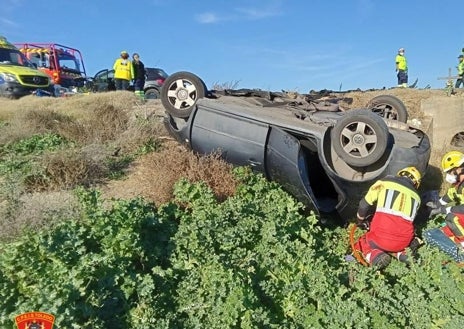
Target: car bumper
x: 16, y: 90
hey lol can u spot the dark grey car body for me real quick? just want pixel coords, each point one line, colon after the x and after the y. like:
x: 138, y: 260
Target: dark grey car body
x: 104, y: 81
x: 296, y: 147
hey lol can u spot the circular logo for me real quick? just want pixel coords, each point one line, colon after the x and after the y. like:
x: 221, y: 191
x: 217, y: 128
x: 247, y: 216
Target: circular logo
x: 36, y: 80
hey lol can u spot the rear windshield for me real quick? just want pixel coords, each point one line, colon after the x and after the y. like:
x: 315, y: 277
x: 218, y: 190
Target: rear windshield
x: 155, y: 73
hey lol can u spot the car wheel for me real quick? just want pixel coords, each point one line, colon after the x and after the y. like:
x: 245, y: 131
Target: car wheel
x: 360, y: 138
x: 152, y: 93
x: 389, y: 107
x: 180, y: 93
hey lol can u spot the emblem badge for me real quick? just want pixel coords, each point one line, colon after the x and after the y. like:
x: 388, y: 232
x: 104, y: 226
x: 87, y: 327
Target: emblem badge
x: 34, y: 320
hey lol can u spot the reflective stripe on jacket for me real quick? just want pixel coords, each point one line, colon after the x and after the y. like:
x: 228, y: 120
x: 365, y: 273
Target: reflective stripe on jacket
x: 454, y: 195
x: 394, y: 196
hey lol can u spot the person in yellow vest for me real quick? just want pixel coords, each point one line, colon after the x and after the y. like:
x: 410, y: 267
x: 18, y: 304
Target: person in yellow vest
x: 401, y: 69
x: 460, y: 79
x: 123, y: 71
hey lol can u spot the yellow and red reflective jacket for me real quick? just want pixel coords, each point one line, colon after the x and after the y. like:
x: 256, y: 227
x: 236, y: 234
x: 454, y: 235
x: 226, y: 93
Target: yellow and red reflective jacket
x: 123, y: 69
x: 396, y: 204
x: 392, y: 195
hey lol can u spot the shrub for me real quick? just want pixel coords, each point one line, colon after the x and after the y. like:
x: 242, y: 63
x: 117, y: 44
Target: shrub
x: 254, y: 260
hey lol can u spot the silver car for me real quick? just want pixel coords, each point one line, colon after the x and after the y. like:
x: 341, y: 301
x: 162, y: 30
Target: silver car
x: 324, y: 156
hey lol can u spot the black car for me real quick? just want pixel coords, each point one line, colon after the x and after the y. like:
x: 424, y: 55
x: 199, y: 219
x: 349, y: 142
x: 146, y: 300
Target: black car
x: 104, y: 81
x: 325, y: 157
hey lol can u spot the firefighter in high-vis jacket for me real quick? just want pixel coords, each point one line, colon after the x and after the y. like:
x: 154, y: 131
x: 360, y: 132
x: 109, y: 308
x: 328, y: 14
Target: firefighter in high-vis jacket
x: 394, y: 202
x: 450, y: 237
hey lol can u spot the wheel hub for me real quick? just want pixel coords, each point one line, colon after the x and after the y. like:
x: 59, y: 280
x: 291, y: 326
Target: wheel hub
x: 182, y: 94
x: 358, y: 139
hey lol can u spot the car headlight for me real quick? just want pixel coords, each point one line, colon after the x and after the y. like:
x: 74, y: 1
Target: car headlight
x: 8, y: 77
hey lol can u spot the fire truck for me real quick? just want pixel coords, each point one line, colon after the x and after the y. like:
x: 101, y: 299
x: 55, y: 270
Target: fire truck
x: 64, y: 65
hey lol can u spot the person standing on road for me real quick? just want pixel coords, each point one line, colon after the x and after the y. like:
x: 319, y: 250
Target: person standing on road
x: 460, y: 79
x: 395, y: 203
x: 401, y: 69
x: 139, y: 76
x: 123, y: 71
x: 450, y: 237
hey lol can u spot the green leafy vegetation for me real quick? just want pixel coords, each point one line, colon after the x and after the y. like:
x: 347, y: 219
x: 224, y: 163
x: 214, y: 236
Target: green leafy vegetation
x: 217, y: 249
x: 254, y: 260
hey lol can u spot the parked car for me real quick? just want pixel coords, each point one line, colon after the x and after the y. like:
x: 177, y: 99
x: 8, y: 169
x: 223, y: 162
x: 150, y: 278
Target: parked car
x: 104, y: 81
x: 325, y: 157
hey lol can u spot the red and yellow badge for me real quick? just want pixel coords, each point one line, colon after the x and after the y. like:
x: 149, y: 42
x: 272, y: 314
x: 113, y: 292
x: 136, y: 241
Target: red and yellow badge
x: 35, y: 320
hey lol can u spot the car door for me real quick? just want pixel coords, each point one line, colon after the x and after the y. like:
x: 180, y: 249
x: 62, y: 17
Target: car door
x: 287, y: 164
x: 240, y: 140
x: 103, y: 81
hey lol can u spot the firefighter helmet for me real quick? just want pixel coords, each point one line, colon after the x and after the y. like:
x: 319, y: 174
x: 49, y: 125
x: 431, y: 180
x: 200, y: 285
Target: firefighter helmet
x: 412, y: 173
x: 452, y: 159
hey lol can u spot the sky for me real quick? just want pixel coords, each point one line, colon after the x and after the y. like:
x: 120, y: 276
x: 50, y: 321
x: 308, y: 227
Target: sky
x: 292, y: 45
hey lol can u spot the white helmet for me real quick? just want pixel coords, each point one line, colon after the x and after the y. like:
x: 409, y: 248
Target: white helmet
x: 401, y: 50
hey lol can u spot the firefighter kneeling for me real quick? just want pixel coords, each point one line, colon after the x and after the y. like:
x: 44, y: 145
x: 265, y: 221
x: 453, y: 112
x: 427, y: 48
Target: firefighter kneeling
x: 450, y: 237
x: 394, y: 200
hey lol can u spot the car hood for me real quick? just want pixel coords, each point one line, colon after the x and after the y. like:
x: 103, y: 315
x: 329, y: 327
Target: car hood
x: 21, y: 70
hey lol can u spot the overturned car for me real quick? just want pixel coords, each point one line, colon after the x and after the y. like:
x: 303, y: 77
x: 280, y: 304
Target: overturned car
x: 324, y: 156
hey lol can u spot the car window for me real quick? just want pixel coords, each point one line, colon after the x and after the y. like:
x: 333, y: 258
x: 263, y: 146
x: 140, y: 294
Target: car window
x: 101, y: 76
x: 155, y: 73
x: 13, y: 57
x: 69, y: 62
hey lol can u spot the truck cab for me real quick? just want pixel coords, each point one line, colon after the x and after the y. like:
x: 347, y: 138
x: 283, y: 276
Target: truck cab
x: 64, y: 65
x: 18, y: 76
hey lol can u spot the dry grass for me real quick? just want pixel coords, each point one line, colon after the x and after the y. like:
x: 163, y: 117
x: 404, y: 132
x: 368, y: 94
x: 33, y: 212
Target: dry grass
x: 35, y: 211
x: 67, y: 169
x: 102, y: 129
x: 154, y: 175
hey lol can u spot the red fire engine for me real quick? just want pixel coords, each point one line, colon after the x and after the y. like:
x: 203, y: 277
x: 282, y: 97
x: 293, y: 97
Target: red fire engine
x: 63, y: 64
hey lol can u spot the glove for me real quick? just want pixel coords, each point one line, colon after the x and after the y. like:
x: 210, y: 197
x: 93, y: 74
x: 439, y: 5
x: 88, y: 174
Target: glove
x: 362, y: 223
x: 441, y: 210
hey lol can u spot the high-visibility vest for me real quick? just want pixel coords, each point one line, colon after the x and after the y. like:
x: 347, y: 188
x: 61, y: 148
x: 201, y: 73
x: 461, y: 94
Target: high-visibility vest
x: 393, y: 197
x: 123, y: 69
x: 401, y: 62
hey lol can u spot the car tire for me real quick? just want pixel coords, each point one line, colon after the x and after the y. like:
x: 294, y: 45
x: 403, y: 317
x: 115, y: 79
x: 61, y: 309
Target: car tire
x: 389, y: 107
x: 180, y: 93
x: 152, y: 93
x: 360, y: 138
